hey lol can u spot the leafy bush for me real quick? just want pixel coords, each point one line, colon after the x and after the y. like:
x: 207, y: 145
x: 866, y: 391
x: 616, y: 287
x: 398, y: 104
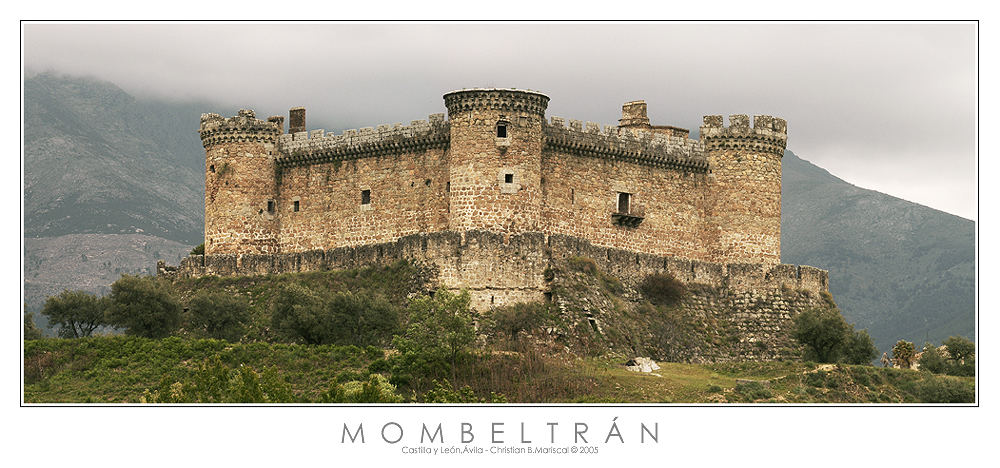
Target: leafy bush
x: 824, y: 333
x: 143, y: 308
x: 198, y: 250
x: 859, y: 348
x: 960, y: 348
x: 519, y: 317
x: 439, y: 334
x: 752, y: 391
x: 443, y: 392
x: 931, y: 360
x: 215, y: 383
x: 218, y: 315
x: 375, y: 390
x: 582, y: 264
x: 902, y: 354
x: 945, y: 390
x: 31, y: 331
x: 77, y: 313
x: 361, y: 319
x: 662, y: 289
x: 344, y: 318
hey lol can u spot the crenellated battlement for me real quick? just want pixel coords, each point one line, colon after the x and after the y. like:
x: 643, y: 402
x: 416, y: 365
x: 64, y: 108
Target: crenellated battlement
x: 316, y: 146
x: 245, y: 126
x: 507, y: 100
x: 768, y: 134
x: 634, y: 145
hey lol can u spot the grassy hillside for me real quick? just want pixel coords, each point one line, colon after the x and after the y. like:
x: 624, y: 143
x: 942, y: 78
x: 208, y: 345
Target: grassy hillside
x: 121, y: 369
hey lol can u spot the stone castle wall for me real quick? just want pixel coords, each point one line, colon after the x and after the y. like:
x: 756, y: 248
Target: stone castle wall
x: 500, y: 270
x: 665, y: 176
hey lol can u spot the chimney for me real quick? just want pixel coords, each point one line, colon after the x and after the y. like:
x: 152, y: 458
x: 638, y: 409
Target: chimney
x: 296, y: 119
x: 279, y: 120
x: 634, y: 115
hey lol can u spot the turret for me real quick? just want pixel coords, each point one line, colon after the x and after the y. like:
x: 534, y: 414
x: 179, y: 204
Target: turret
x: 495, y: 159
x: 240, y: 189
x: 745, y: 208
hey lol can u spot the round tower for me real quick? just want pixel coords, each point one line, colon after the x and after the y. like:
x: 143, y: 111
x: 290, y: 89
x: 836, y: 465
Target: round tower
x: 745, y: 188
x: 240, y: 185
x: 495, y: 159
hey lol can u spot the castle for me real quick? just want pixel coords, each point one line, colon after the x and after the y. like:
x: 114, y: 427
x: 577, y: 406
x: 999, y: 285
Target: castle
x: 494, y: 191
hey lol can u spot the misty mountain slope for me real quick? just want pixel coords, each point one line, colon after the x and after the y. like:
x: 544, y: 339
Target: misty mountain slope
x: 899, y: 269
x: 99, y: 161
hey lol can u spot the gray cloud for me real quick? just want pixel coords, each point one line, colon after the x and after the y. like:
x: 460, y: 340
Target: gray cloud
x: 885, y: 106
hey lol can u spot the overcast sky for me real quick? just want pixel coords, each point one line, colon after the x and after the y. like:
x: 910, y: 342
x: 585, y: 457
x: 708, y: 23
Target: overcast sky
x: 890, y: 107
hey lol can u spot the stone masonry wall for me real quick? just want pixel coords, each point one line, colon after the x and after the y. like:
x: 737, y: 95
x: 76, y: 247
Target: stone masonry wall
x: 407, y: 194
x: 501, y: 269
x: 744, y: 209
x: 666, y: 181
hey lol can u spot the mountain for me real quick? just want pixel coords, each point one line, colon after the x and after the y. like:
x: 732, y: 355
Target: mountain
x: 899, y: 269
x: 97, y: 160
x: 112, y: 182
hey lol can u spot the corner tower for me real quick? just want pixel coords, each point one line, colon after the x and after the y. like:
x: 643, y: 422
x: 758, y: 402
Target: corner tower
x: 744, y: 224
x: 495, y: 159
x: 240, y: 185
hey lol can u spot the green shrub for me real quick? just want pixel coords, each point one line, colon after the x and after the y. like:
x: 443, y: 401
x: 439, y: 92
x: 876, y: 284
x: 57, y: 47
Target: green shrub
x: 859, y: 348
x: 143, y: 307
x: 31, y: 331
x: 945, y: 390
x: 444, y: 392
x: 931, y: 360
x: 375, y: 390
x: 902, y: 354
x: 440, y: 334
x: 582, y: 264
x: 516, y: 318
x: 77, y: 313
x: 960, y: 348
x: 824, y: 333
x: 198, y: 250
x: 752, y: 391
x: 216, y: 383
x: 218, y: 315
x: 345, y: 318
x: 361, y: 320
x: 662, y: 289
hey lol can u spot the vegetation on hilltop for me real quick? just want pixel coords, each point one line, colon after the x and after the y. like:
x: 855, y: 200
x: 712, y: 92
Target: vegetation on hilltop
x: 380, y: 335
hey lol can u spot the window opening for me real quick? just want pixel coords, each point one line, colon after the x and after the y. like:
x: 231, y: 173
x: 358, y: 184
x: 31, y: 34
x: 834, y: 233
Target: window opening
x: 623, y: 200
x: 508, y: 178
x: 366, y: 197
x: 295, y: 205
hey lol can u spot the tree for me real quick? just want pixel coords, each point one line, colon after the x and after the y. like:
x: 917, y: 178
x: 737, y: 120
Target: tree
x: 960, y: 348
x: 824, y: 333
x: 298, y: 312
x: 198, y: 250
x: 902, y: 354
x: 931, y: 360
x: 31, y: 331
x: 143, y: 308
x: 963, y: 356
x: 859, y: 348
x: 519, y: 317
x: 361, y: 319
x: 218, y: 315
x: 77, y: 313
x: 439, y: 333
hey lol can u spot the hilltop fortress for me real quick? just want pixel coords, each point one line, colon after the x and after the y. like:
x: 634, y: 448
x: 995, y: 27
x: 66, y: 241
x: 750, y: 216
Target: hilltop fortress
x: 495, y: 193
